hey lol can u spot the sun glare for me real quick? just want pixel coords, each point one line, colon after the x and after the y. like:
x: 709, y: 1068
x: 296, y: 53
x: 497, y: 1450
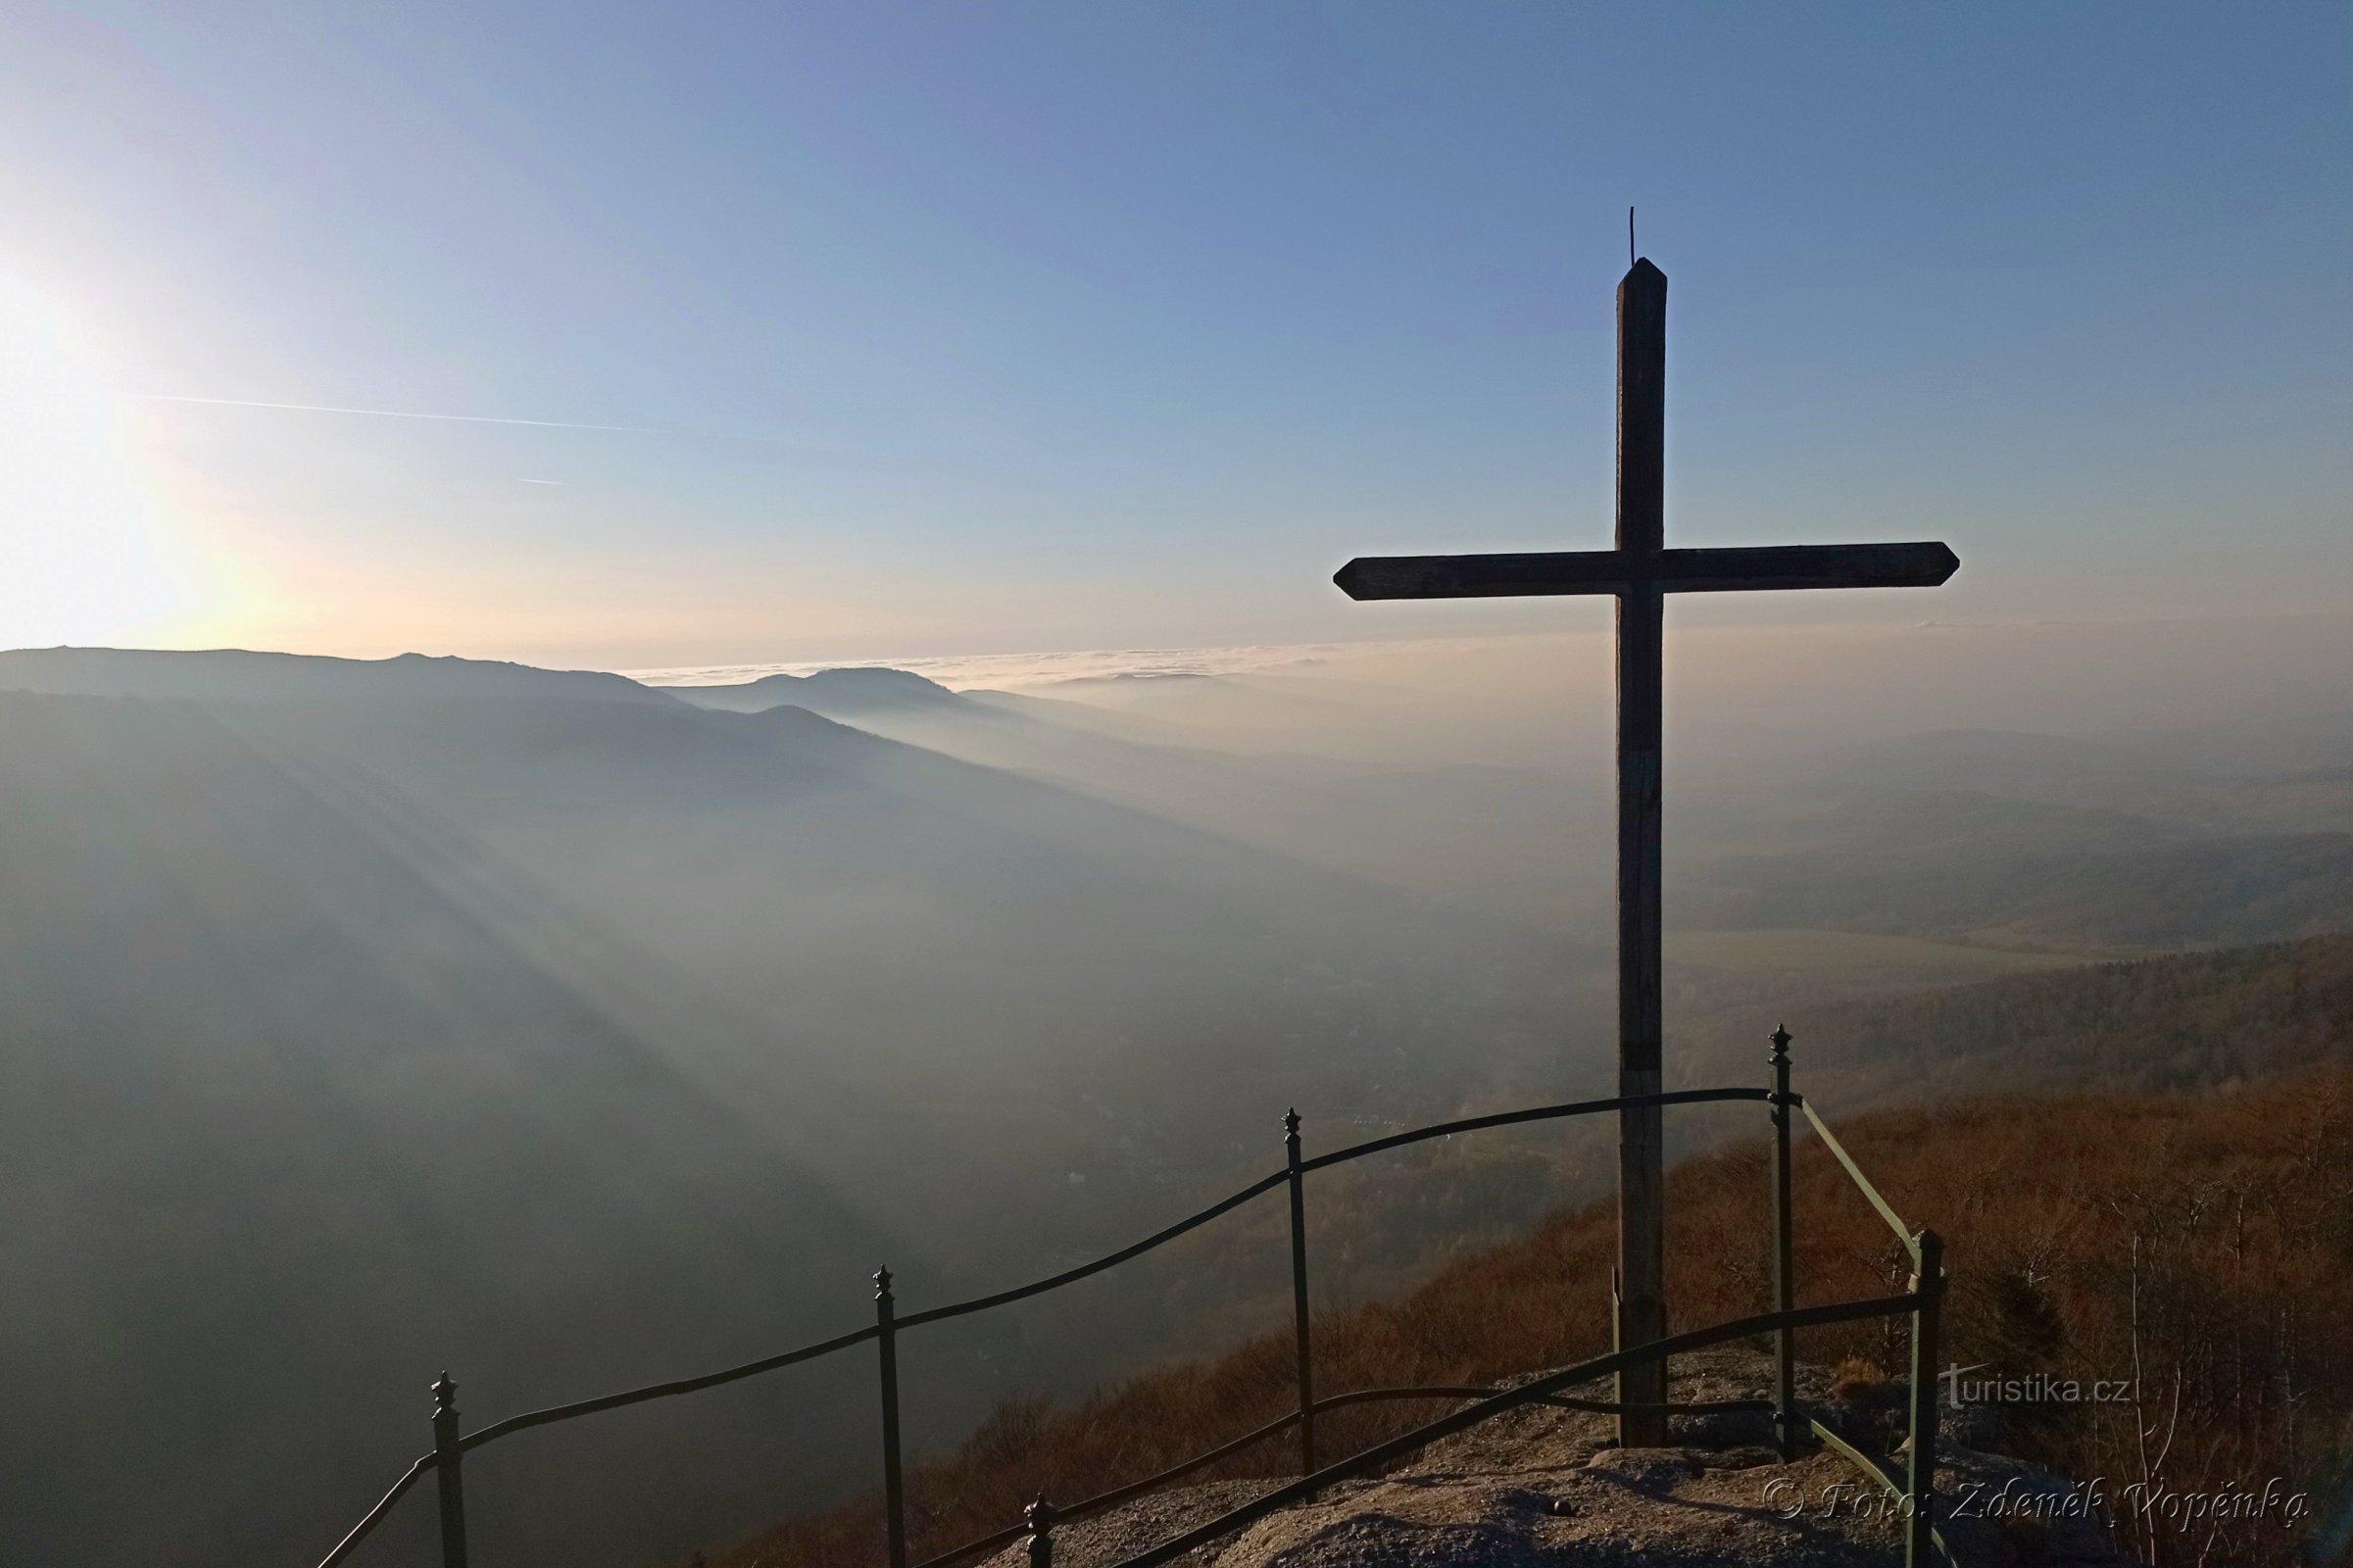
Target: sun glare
x: 85, y: 564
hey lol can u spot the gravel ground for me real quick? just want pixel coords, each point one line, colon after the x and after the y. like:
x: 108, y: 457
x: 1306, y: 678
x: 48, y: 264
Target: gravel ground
x: 1549, y: 1489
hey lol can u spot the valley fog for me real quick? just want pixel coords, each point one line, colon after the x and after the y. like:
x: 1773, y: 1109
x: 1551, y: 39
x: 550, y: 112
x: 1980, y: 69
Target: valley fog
x: 573, y: 1031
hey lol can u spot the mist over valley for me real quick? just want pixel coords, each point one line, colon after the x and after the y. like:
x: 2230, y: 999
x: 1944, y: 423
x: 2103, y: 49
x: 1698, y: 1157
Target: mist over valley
x: 361, y: 1017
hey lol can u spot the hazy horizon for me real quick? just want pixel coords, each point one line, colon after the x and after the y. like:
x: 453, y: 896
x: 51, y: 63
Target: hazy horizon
x: 1819, y: 682
x: 892, y: 333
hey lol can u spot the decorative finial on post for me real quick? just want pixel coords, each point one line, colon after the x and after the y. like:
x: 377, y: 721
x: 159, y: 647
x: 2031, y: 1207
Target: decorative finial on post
x: 1789, y: 1426
x: 1920, y: 1480
x: 1040, y: 1517
x: 1929, y: 1279
x: 449, y: 1452
x: 1304, y: 1363
x: 894, y: 1492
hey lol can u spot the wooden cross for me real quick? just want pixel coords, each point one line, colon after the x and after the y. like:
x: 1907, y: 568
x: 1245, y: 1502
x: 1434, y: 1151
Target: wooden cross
x: 1640, y: 572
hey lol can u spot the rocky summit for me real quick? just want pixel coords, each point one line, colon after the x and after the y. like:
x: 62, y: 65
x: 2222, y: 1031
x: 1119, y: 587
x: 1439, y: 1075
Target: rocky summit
x: 1546, y: 1488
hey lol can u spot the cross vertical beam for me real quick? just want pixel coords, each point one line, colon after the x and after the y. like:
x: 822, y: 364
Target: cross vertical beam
x: 1641, y: 572
x: 1641, y: 1305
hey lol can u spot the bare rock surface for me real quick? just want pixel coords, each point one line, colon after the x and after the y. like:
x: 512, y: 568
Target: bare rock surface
x: 1545, y: 1488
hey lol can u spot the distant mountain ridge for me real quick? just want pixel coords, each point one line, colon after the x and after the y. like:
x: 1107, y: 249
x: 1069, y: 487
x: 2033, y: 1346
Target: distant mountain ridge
x: 237, y: 674
x: 834, y: 693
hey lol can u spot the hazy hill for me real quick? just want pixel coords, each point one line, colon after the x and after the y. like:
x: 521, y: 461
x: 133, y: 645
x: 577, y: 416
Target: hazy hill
x: 1978, y: 866
x: 236, y: 674
x: 2101, y: 845
x: 1510, y: 841
x: 2195, y: 1020
x: 349, y: 1030
x: 2259, y: 742
x: 1260, y: 712
x: 844, y: 694
x: 298, y: 1110
x: 922, y: 911
x: 1218, y: 701
x: 2267, y: 787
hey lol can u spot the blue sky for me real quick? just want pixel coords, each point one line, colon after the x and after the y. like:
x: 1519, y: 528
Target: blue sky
x: 956, y: 327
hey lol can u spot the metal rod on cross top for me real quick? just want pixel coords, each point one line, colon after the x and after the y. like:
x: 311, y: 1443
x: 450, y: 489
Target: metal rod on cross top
x: 1640, y: 572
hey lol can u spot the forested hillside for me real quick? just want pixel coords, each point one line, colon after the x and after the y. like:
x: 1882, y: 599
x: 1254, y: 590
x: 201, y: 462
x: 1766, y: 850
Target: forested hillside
x: 2191, y: 1021
x: 2184, y: 1021
x: 2007, y: 871
x: 2191, y: 1164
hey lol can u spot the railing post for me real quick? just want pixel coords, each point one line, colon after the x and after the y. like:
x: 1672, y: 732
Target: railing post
x: 1786, y: 1426
x: 448, y: 1472
x: 1919, y: 1544
x: 1298, y: 1290
x: 893, y: 1499
x: 1040, y: 1517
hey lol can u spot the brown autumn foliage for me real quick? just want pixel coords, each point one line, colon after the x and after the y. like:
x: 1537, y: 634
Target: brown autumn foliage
x: 2197, y: 1248
x: 2185, y: 1020
x: 1380, y: 1229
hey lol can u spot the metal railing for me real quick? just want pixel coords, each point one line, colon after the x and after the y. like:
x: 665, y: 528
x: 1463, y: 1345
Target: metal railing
x: 1913, y: 1488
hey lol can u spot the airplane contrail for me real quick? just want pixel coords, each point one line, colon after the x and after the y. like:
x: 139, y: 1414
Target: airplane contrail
x: 391, y: 414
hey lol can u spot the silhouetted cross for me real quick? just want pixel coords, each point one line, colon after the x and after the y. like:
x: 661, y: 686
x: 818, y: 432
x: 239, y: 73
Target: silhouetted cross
x: 1641, y: 571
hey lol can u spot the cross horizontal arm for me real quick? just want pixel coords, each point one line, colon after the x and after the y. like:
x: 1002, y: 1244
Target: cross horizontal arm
x: 1922, y: 564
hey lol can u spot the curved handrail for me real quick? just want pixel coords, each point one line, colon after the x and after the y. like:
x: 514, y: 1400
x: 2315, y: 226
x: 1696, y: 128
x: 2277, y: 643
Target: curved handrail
x: 1506, y: 1119
x: 1265, y: 1184
x: 1886, y: 1212
x: 360, y: 1531
x: 563, y: 1412
x: 1446, y: 1426
x: 660, y: 1391
x: 1069, y: 1276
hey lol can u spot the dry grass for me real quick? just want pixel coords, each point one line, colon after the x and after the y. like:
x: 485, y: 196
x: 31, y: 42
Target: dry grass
x: 2201, y: 1244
